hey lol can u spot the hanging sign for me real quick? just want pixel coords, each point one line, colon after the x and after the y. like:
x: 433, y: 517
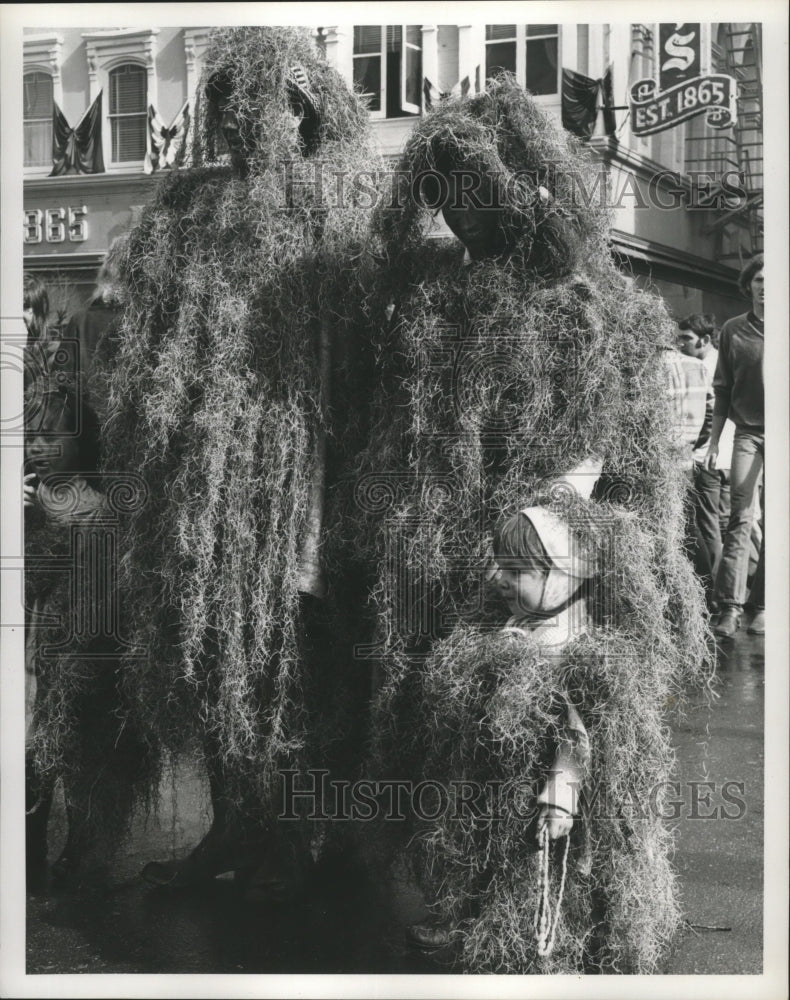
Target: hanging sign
x: 678, y: 54
x: 680, y: 91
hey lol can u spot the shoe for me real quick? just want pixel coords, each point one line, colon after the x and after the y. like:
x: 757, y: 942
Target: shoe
x: 173, y: 874
x: 217, y: 853
x: 431, y: 936
x: 757, y: 624
x: 728, y: 623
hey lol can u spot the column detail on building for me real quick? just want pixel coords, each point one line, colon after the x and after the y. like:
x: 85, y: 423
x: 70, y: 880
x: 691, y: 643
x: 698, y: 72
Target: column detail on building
x: 195, y: 44
x: 619, y: 40
x: 430, y: 53
x: 471, y: 52
x: 569, y: 48
x: 340, y: 50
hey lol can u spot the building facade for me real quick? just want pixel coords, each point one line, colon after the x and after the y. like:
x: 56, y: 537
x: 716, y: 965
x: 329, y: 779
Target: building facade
x: 686, y: 202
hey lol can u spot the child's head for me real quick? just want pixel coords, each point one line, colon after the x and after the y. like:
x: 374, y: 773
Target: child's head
x: 62, y: 431
x: 523, y: 564
x: 35, y: 307
x: 539, y: 569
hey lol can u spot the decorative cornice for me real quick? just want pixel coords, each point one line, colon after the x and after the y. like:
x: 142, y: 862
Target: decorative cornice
x: 107, y: 49
x: 77, y: 184
x: 44, y: 52
x: 43, y: 49
x: 195, y: 42
x: 62, y: 261
x: 117, y: 44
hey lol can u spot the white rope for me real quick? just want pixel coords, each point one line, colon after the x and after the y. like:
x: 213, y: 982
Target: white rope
x: 545, y: 926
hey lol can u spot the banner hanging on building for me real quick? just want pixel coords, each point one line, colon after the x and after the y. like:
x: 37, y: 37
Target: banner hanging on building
x: 78, y: 148
x: 166, y: 145
x: 580, y: 107
x: 679, y: 90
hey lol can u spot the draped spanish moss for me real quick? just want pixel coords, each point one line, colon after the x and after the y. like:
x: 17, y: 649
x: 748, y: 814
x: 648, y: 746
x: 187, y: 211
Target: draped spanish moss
x: 215, y: 401
x: 496, y: 378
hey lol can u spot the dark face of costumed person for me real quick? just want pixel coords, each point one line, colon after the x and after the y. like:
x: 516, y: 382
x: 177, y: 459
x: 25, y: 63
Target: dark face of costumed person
x: 473, y: 213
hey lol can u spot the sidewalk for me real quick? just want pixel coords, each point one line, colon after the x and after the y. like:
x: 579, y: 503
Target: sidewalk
x: 345, y: 926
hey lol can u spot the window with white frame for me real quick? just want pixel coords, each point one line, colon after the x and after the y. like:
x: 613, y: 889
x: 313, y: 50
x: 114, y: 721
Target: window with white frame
x: 387, y: 68
x: 501, y: 46
x: 529, y: 51
x: 121, y: 65
x: 128, y: 112
x: 37, y: 119
x: 42, y: 87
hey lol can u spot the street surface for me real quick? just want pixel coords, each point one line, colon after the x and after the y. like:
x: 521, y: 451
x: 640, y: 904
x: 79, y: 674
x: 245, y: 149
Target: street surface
x: 349, y: 925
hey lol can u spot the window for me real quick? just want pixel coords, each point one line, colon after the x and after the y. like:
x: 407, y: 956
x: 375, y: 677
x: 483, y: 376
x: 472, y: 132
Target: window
x: 388, y: 68
x: 128, y: 113
x: 529, y: 51
x: 122, y: 65
x: 42, y: 88
x: 542, y: 53
x: 37, y: 116
x: 500, y: 49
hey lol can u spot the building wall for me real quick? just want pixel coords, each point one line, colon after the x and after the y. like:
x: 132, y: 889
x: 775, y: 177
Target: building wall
x: 674, y: 246
x: 72, y: 219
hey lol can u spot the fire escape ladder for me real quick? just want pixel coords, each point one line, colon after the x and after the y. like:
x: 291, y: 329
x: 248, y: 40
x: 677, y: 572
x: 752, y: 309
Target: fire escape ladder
x: 737, y: 150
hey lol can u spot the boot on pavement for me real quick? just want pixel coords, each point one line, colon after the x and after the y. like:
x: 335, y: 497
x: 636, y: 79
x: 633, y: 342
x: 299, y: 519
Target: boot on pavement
x: 728, y: 623
x: 430, y: 934
x: 757, y: 624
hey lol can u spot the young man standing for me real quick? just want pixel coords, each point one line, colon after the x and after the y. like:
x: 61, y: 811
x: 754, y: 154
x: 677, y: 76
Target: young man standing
x: 738, y: 388
x: 694, y: 339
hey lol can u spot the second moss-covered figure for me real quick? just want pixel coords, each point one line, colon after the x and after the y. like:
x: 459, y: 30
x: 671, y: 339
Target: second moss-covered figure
x: 506, y: 364
x: 229, y: 395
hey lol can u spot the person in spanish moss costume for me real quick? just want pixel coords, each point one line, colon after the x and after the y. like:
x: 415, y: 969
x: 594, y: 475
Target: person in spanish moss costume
x: 511, y: 360
x: 231, y: 394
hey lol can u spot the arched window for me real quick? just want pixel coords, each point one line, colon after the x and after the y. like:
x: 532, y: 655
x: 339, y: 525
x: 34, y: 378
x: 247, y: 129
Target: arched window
x: 37, y: 117
x: 128, y: 112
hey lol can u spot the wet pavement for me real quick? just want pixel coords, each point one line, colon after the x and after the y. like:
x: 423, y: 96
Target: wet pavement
x: 350, y: 925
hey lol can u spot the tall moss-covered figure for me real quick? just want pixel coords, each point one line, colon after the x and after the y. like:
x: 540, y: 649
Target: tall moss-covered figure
x: 230, y: 394
x: 501, y: 372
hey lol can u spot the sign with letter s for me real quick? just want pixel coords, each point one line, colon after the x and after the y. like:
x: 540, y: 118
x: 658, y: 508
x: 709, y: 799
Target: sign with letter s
x: 678, y: 54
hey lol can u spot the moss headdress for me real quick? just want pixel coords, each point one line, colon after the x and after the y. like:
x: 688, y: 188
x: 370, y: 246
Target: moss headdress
x: 502, y: 133
x: 267, y: 74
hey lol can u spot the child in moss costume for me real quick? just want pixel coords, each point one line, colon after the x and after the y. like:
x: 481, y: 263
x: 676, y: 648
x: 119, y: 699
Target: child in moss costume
x: 231, y: 393
x: 541, y: 577
x: 561, y: 713
x: 74, y: 704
